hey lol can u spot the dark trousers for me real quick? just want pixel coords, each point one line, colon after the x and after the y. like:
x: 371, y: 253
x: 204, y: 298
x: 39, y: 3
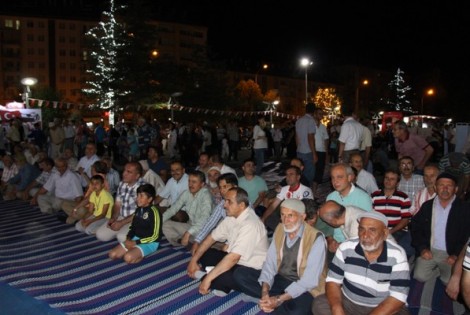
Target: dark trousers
x: 320, y: 167
x: 225, y: 281
x: 247, y: 281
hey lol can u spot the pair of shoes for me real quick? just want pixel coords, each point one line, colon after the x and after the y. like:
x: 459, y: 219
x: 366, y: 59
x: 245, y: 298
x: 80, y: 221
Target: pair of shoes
x: 219, y: 293
x: 199, y: 274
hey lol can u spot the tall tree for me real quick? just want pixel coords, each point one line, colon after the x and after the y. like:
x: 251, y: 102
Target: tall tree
x: 398, y: 100
x: 329, y: 101
x: 108, y: 42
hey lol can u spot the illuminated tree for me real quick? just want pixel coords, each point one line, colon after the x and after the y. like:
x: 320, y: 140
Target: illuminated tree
x: 398, y: 100
x: 109, y: 42
x: 327, y: 99
x: 249, y: 95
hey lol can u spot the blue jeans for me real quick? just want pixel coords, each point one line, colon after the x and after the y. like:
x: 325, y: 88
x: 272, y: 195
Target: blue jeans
x: 309, y: 166
x: 259, y: 159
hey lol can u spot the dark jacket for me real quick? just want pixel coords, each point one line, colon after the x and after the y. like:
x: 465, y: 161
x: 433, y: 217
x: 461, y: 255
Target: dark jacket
x: 457, y: 229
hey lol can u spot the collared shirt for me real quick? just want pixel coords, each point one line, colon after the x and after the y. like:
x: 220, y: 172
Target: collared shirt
x: 245, y: 236
x: 420, y: 197
x: 126, y: 195
x: 197, y: 206
x: 173, y: 189
x: 370, y: 283
x: 356, y: 197
x: 395, y: 207
x: 351, y: 134
x: 304, y: 126
x: 66, y: 186
x: 411, y: 186
x: 309, y: 279
x: 217, y: 215
x: 439, y: 223
x: 367, y: 181
x: 86, y: 163
x: 9, y: 172
x: 413, y: 146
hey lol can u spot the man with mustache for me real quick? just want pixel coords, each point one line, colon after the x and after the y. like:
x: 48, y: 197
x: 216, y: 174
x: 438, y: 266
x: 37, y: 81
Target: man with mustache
x: 295, y: 268
x: 368, y: 275
x: 439, y: 231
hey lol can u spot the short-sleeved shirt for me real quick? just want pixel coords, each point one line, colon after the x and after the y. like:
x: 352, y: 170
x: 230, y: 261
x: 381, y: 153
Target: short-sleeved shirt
x: 66, y: 186
x: 351, y: 134
x: 246, y: 236
x: 369, y: 283
x: 254, y: 186
x: 411, y: 186
x: 395, y: 207
x: 304, y: 126
x: 104, y: 198
x: 300, y: 192
x: 321, y: 135
x: 413, y: 146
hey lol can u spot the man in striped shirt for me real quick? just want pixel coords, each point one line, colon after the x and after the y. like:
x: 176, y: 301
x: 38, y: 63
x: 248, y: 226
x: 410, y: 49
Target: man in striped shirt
x: 368, y: 275
x: 466, y: 277
x: 395, y: 205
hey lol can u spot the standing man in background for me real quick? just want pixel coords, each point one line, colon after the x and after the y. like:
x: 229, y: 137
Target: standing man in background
x: 305, y: 139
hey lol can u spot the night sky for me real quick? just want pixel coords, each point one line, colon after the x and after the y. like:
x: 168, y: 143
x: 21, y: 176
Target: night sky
x: 420, y: 38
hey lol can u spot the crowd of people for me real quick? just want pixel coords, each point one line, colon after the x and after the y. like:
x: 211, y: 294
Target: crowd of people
x: 281, y: 245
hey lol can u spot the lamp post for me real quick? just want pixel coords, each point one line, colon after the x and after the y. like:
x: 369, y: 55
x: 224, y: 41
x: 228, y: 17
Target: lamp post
x: 305, y: 62
x: 428, y: 92
x: 28, y: 82
x: 173, y: 101
x: 356, y: 108
x: 264, y: 67
x: 271, y: 108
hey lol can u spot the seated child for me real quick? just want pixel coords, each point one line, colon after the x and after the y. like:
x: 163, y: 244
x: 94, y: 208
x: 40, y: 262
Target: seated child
x: 145, y: 230
x: 99, y: 207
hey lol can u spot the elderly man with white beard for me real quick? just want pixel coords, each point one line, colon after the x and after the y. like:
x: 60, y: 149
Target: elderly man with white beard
x: 295, y: 268
x: 368, y: 275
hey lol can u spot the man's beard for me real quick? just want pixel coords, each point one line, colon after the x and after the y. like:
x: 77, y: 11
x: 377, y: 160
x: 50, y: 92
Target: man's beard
x: 213, y: 184
x: 292, y: 229
x: 371, y: 248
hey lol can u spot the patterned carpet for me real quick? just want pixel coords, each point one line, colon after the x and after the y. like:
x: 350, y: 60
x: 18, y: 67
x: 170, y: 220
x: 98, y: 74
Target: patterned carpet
x: 70, y: 271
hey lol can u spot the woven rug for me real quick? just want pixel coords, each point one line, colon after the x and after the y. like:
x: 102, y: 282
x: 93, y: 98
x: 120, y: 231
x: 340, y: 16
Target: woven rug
x: 70, y: 271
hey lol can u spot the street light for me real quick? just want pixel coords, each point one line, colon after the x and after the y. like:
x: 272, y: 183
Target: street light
x: 173, y: 100
x: 356, y: 109
x: 28, y: 82
x: 271, y: 108
x: 305, y: 62
x: 264, y: 67
x: 428, y: 92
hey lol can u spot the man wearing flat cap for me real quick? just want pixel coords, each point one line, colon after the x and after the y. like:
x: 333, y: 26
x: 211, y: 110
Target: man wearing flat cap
x: 368, y: 275
x: 439, y: 231
x: 294, y: 271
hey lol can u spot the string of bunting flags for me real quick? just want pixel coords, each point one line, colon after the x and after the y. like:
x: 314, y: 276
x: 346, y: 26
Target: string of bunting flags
x: 38, y: 103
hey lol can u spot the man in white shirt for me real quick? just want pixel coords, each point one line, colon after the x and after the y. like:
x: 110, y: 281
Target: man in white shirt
x: 85, y: 163
x: 66, y: 190
x: 321, y: 146
x: 176, y: 185
x: 365, y: 180
x: 350, y: 136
